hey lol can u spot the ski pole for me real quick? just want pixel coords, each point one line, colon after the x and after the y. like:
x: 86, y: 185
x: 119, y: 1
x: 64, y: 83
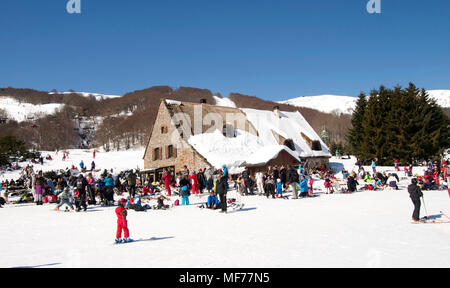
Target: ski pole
x: 425, y: 207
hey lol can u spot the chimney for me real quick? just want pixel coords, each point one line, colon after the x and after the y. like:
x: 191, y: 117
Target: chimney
x: 276, y: 111
x: 203, y: 101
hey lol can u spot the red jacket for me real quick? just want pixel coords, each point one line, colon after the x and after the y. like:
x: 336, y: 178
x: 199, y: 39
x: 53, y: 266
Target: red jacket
x: 194, y: 179
x: 167, y: 179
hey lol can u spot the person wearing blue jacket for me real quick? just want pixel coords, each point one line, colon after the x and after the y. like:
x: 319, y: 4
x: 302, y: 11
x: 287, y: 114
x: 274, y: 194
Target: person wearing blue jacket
x: 212, y: 202
x: 184, y: 190
x: 225, y: 175
x: 279, y: 188
x: 303, y: 187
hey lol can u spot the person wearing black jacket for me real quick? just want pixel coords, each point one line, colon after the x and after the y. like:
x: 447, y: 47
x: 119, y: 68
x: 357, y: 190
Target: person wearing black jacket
x: 292, y: 178
x: 81, y: 185
x: 351, y: 183
x: 415, y: 193
x: 221, y: 190
x: 247, y: 181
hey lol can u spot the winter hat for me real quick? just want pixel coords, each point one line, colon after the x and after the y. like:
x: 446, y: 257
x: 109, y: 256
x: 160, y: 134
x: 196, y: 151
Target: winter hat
x: 122, y: 200
x: 414, y: 181
x: 278, y: 180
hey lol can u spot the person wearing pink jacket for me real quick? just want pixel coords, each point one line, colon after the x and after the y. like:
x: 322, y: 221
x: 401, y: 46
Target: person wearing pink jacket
x: 310, y: 186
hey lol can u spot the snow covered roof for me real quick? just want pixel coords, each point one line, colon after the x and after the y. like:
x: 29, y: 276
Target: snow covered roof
x: 289, y: 126
x: 267, y: 153
x: 261, y: 138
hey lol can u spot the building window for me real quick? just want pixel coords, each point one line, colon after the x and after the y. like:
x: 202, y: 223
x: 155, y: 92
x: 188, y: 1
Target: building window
x: 170, y: 151
x: 156, y: 154
x: 290, y: 144
x: 315, y: 146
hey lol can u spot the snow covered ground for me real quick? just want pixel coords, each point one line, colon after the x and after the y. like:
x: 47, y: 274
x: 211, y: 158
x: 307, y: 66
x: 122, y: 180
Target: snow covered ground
x: 365, y: 229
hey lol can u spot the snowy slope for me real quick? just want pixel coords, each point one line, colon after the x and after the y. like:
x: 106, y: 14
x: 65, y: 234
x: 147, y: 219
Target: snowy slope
x: 346, y: 104
x: 442, y: 97
x: 116, y: 160
x: 25, y: 111
x: 97, y: 96
x: 325, y: 103
x: 365, y: 229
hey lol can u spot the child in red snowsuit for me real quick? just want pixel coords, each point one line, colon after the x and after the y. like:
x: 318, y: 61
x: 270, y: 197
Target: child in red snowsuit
x: 194, y: 183
x: 122, y: 223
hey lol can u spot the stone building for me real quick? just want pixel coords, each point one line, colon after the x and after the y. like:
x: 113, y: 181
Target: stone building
x: 200, y: 135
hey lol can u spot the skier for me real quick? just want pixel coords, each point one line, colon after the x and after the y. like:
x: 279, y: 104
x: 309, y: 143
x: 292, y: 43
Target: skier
x: 415, y: 194
x: 82, y: 165
x: 122, y: 223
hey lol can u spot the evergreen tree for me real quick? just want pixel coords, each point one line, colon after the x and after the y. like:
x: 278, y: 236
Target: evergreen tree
x: 355, y: 135
x: 10, y: 147
x: 399, y: 123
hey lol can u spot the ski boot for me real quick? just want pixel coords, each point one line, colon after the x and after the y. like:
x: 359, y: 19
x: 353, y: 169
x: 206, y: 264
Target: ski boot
x: 118, y: 241
x: 127, y: 240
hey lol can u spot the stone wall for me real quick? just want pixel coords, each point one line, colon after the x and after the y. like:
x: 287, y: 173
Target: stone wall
x: 164, y: 134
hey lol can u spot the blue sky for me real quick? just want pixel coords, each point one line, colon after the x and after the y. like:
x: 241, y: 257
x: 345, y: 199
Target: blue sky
x: 274, y: 50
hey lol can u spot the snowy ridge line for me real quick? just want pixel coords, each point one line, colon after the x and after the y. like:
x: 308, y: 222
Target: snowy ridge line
x: 346, y: 104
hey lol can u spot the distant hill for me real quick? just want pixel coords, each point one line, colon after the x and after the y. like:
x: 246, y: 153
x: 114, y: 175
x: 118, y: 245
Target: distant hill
x: 61, y: 120
x: 345, y: 104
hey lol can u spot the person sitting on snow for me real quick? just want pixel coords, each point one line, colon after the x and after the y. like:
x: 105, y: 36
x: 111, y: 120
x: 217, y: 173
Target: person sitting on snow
x: 392, y: 181
x: 66, y: 198
x: 212, y: 202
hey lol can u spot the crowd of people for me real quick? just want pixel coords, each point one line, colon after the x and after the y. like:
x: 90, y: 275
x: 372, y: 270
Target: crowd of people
x: 78, y: 190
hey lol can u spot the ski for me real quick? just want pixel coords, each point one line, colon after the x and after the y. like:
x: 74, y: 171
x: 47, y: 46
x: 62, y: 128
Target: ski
x: 443, y: 214
x: 430, y: 222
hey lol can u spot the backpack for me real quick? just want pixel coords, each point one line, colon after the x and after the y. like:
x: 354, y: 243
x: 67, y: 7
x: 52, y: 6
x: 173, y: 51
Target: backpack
x: 176, y: 203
